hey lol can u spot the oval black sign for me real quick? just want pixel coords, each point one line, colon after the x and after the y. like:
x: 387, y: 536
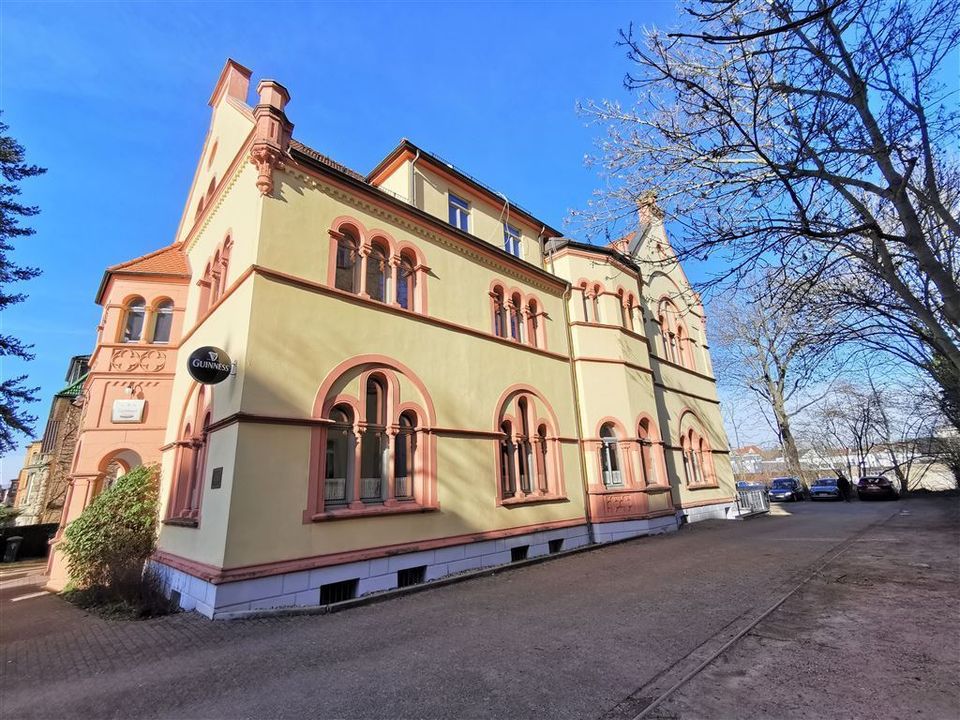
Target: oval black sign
x: 209, y: 365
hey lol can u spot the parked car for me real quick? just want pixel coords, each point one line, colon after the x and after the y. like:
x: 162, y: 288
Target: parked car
x: 825, y: 488
x: 786, y: 489
x: 878, y: 487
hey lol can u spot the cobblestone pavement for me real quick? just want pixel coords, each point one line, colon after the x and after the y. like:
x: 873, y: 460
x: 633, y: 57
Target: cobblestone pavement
x: 583, y: 636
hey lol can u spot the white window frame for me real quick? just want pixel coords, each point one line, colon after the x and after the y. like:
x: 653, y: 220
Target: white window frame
x: 462, y: 208
x: 512, y: 240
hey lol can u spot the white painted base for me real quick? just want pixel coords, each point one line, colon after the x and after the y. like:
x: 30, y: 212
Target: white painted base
x: 721, y: 511
x: 609, y: 532
x: 302, y: 589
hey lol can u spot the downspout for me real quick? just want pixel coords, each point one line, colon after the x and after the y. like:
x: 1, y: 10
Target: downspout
x: 543, y: 248
x: 413, y: 179
x: 581, y: 450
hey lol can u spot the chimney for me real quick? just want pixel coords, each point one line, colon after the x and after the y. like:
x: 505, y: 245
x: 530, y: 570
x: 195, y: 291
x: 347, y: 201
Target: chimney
x: 272, y: 131
x: 234, y: 82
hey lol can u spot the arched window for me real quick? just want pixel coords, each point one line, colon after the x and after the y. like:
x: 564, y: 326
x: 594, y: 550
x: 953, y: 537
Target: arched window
x: 133, y: 322
x: 406, y: 283
x: 610, y: 457
x: 543, y: 463
x: 697, y: 456
x: 595, y: 300
x: 508, y: 480
x: 687, y: 461
x: 348, y: 266
x: 373, y: 443
x: 524, y: 447
x: 191, y: 463
x: 339, y: 457
x: 215, y: 272
x: 516, y: 318
x: 375, y: 454
x: 631, y: 303
x: 163, y: 321
x: 533, y: 322
x: 528, y: 453
x: 585, y: 301
x: 376, y: 280
x: 623, y: 312
x: 210, y: 188
x: 404, y: 472
x: 499, y: 313
x: 647, y: 466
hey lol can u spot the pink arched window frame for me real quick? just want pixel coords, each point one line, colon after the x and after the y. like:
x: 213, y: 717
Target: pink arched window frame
x: 387, y: 371
x: 395, y: 253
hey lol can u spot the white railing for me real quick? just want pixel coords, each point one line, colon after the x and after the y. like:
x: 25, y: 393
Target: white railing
x: 753, y: 502
x: 370, y: 488
x: 402, y: 487
x: 612, y: 478
x: 335, y: 489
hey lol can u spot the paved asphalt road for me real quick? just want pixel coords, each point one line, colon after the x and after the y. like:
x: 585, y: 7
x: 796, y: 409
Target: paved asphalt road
x: 592, y: 635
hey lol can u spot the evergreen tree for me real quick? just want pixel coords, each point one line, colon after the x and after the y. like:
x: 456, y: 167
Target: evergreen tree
x: 14, y: 395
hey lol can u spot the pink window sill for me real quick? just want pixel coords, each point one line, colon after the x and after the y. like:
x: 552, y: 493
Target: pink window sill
x: 182, y: 522
x: 532, y: 500
x: 345, y: 513
x: 704, y: 486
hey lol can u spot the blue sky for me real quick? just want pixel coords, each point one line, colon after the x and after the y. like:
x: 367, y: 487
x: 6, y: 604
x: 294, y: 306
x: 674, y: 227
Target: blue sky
x: 111, y: 98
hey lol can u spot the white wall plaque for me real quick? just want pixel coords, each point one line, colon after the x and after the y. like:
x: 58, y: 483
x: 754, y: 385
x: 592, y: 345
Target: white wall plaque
x: 128, y: 411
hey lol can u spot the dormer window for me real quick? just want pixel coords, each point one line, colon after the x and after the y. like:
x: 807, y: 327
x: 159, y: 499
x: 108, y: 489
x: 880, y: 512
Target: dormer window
x: 511, y: 240
x: 459, y: 213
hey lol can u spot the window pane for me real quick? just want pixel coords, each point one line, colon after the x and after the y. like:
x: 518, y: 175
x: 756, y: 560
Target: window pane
x: 133, y: 330
x: 511, y: 240
x: 164, y: 321
x: 346, y: 264
x: 376, y: 275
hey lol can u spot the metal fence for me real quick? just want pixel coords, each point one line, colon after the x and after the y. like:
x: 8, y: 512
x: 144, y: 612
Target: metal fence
x: 752, y: 501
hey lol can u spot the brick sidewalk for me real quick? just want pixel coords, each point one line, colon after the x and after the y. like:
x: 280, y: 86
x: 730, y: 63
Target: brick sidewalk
x: 569, y: 638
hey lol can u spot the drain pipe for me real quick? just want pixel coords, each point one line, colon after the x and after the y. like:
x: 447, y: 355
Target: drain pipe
x: 581, y: 450
x: 413, y: 179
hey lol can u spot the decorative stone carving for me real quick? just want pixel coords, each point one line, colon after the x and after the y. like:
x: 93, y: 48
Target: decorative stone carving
x: 265, y: 158
x: 130, y: 360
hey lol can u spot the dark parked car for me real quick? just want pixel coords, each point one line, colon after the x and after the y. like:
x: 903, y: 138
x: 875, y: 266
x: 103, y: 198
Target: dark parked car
x: 786, y: 489
x: 825, y: 489
x: 878, y: 487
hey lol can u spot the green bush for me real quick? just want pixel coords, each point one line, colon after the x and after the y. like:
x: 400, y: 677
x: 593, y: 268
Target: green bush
x: 107, y: 546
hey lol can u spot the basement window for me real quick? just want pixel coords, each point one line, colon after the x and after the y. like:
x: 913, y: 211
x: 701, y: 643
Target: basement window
x: 338, y: 591
x: 411, y: 576
x: 555, y: 546
x: 519, y: 553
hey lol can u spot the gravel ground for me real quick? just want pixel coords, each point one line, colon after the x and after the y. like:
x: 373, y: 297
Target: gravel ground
x: 594, y: 635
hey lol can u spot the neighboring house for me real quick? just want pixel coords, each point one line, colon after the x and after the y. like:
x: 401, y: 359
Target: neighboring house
x: 60, y: 439
x: 747, y: 460
x: 427, y: 378
x: 32, y: 485
x: 9, y: 494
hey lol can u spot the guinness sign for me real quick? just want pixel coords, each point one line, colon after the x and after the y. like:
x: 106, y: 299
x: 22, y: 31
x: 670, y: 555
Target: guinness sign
x: 209, y: 365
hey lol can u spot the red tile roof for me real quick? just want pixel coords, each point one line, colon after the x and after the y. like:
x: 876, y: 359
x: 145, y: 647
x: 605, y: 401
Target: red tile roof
x: 170, y: 260
x: 329, y: 162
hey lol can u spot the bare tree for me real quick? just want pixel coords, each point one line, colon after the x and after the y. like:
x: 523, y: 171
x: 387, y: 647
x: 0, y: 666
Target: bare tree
x: 885, y: 426
x: 812, y: 136
x: 783, y: 356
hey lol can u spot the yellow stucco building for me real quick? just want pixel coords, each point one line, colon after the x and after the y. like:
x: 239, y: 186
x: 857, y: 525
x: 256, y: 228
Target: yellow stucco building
x: 428, y: 379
